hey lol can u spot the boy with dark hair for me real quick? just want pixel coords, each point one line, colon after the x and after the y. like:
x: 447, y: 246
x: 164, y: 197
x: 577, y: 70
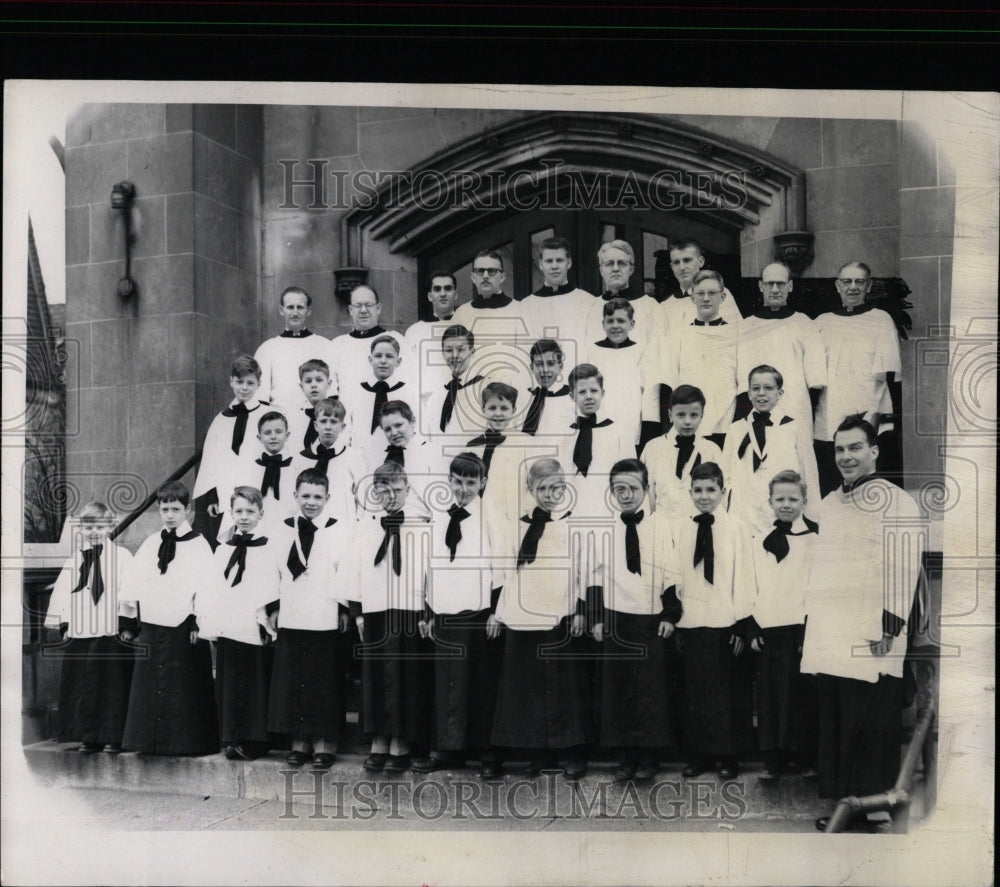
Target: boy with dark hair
x: 364, y: 400
x: 315, y: 382
x: 716, y: 591
x: 550, y: 409
x: 172, y: 701
x: 453, y: 407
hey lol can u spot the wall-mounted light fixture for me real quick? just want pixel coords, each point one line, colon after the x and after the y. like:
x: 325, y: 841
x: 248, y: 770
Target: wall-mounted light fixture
x: 122, y: 198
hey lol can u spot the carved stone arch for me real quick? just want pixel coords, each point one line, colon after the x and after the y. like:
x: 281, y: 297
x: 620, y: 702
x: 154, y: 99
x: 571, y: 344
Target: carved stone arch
x: 542, y: 157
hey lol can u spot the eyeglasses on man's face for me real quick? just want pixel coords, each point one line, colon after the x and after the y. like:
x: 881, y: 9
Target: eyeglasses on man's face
x: 487, y: 272
x: 857, y: 281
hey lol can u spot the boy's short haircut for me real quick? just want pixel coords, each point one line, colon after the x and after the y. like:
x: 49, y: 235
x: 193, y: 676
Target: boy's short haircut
x: 468, y: 465
x: 387, y: 472
x: 250, y: 494
x: 448, y: 274
x: 765, y: 369
x: 546, y: 346
x: 245, y: 365
x: 708, y: 274
x: 584, y: 371
x: 295, y: 289
x: 630, y: 466
x: 174, y: 491
x: 95, y: 512
x: 708, y: 471
x: 858, y: 421
x: 457, y: 331
x: 787, y: 477
x: 314, y: 365
x: 397, y: 406
x: 541, y: 469
x: 382, y: 340
x: 271, y: 416
x: 499, y: 389
x: 556, y: 243
x: 489, y: 254
x: 687, y: 243
x: 613, y: 305
x: 683, y: 395
x: 312, y: 476
x: 330, y: 406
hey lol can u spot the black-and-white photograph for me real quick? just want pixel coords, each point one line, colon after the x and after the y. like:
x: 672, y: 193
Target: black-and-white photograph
x: 579, y: 472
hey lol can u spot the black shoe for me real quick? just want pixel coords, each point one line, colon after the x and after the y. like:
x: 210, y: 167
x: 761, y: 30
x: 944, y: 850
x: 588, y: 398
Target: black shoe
x: 397, y: 764
x: 859, y: 823
x: 694, y: 768
x: 113, y: 748
x: 537, y: 766
x: 323, y: 760
x: 428, y: 765
x: 89, y: 748
x: 375, y: 762
x: 768, y: 775
x: 575, y: 770
x: 729, y: 770
x: 298, y: 758
x: 645, y: 772
x: 491, y: 770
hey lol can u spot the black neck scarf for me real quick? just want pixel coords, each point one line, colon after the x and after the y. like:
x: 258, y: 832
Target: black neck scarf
x: 704, y: 548
x: 453, y: 387
x: 90, y: 568
x: 241, y: 542
x: 391, y: 523
x: 311, y: 435
x: 168, y: 547
x: 632, y: 559
x: 583, y: 449
x: 306, y: 531
x: 538, y: 398
x: 272, y: 463
x: 241, y: 413
x: 776, y: 542
x: 528, y: 551
x: 685, y: 447
x: 381, y: 391
x: 323, y: 455
x: 489, y: 441
x: 453, y: 535
x: 396, y: 454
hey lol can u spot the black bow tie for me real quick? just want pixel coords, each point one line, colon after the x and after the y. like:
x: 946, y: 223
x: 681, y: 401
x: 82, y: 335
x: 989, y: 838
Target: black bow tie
x: 90, y: 568
x: 704, y: 548
x: 453, y: 535
x: 528, y: 551
x: 168, y: 547
x: 241, y: 542
x: 306, y: 531
x: 391, y: 523
x: 241, y: 413
x: 632, y: 559
x: 272, y: 463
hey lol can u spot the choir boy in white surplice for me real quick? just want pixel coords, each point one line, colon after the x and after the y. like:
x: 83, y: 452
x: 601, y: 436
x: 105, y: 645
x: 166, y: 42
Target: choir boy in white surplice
x: 703, y: 353
x: 632, y: 602
x: 315, y: 381
x: 172, y: 700
x: 421, y: 459
x: 230, y: 435
x: 597, y: 441
x: 757, y: 447
x: 670, y: 457
x: 364, y: 400
x: 348, y: 354
x: 281, y: 356
x: 306, y: 699
x: 786, y: 698
x: 716, y: 578
x: 548, y: 410
x: 386, y: 566
x: 451, y: 406
x: 777, y: 335
x: 344, y: 466
x: 87, y: 608
x: 686, y: 260
x: 269, y: 469
x: 461, y: 592
x: 231, y: 607
x: 623, y: 365
x: 854, y: 641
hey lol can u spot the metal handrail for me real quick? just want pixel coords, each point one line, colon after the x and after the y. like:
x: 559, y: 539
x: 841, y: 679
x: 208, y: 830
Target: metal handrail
x: 897, y: 800
x: 133, y: 515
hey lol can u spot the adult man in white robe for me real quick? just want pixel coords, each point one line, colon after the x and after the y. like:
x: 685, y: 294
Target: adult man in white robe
x: 862, y: 350
x: 866, y: 564
x: 678, y: 309
x: 281, y: 356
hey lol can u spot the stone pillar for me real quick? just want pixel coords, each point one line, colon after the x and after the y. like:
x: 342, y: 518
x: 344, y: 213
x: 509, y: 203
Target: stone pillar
x: 153, y: 370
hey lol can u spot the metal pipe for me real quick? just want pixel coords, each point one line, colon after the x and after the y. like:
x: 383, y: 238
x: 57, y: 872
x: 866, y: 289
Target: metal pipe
x: 133, y: 516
